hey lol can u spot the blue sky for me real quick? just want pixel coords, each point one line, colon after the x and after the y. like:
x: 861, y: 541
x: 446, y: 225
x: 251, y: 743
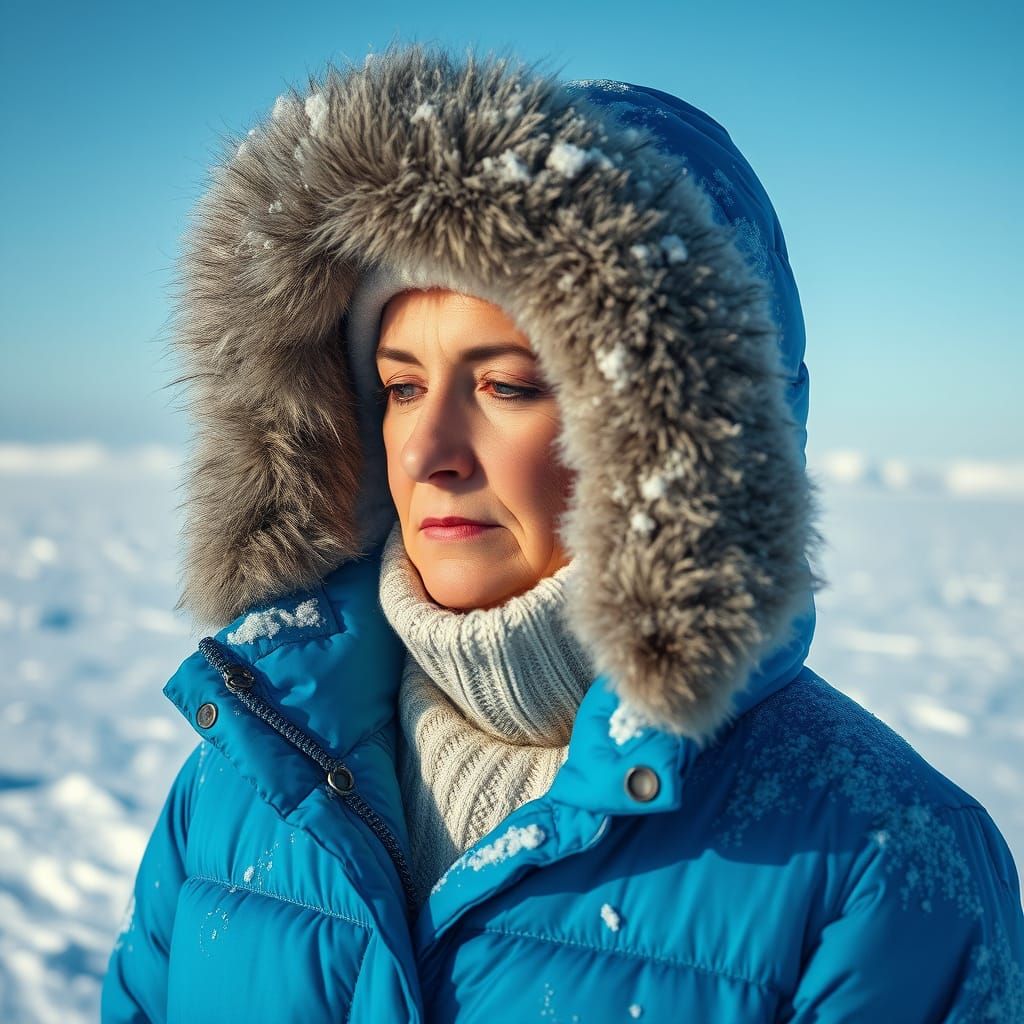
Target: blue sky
x: 888, y: 136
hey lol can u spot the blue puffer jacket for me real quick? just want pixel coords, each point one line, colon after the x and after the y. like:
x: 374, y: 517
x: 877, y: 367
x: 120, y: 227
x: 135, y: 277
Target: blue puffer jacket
x: 730, y: 838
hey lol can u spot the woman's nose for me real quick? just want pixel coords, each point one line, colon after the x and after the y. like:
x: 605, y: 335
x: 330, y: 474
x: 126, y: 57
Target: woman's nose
x: 441, y: 440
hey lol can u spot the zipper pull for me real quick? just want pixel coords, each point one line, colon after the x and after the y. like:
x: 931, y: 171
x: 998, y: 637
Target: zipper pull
x: 237, y: 677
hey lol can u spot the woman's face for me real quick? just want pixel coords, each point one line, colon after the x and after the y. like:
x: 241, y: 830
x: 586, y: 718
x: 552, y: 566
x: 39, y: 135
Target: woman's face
x: 471, y: 435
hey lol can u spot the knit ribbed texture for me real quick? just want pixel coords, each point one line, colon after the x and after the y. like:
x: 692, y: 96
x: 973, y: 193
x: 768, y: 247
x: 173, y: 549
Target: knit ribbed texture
x: 486, y: 706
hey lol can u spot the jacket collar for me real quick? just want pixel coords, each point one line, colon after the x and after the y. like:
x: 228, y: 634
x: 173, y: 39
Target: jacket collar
x: 332, y: 668
x: 609, y: 740
x: 327, y: 661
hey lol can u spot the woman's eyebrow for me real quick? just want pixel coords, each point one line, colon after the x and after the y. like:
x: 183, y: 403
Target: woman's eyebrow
x: 470, y: 355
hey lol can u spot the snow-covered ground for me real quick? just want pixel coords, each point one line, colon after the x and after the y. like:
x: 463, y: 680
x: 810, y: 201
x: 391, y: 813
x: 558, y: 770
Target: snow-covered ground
x: 923, y: 624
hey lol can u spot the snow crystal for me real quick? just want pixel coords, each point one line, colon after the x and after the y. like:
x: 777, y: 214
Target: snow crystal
x: 722, y: 187
x: 216, y: 928
x: 316, y: 111
x: 626, y: 722
x: 620, y: 493
x: 610, y: 916
x: 927, y: 851
x: 995, y: 982
x: 640, y: 252
x: 269, y: 622
x: 548, y: 1010
x: 251, y: 241
x: 127, y: 921
x: 654, y: 486
x: 613, y: 364
x: 242, y: 147
x: 752, y: 245
x: 264, y: 863
x: 635, y: 1010
x: 275, y: 207
x: 424, y: 112
x: 510, y: 167
x: 203, y: 751
x: 508, y: 844
x: 674, y: 248
x: 642, y: 523
x: 567, y: 159
x: 808, y: 738
x: 282, y: 106
x: 606, y: 84
x: 566, y: 282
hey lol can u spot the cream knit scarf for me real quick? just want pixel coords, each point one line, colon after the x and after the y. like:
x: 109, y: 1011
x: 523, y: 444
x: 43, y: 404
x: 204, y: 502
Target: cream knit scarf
x: 486, y: 706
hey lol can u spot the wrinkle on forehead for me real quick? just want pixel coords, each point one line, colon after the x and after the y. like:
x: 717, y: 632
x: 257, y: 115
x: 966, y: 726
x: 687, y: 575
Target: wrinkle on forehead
x: 423, y: 326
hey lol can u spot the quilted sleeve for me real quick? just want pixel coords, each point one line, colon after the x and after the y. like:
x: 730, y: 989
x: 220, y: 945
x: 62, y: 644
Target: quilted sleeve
x: 933, y: 930
x: 135, y: 984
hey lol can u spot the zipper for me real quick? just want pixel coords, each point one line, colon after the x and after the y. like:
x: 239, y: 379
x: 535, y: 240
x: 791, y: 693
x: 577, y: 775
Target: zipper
x: 240, y: 679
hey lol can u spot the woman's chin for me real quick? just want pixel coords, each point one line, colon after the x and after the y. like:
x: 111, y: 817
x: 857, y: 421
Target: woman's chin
x: 463, y: 584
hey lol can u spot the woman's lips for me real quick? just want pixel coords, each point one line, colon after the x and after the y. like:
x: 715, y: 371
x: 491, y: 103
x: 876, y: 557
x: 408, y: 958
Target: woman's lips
x: 462, y: 531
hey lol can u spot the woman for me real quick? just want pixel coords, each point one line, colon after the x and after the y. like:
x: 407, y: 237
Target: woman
x: 568, y: 763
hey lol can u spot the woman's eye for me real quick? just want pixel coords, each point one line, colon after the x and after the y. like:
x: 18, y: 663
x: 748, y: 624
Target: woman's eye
x: 518, y: 390
x: 519, y: 393
x: 389, y: 390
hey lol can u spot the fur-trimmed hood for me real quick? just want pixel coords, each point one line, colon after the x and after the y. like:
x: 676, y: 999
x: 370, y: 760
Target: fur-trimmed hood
x: 631, y: 242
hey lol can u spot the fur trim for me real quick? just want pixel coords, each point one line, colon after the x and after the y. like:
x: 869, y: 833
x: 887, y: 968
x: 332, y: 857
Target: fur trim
x: 692, y: 516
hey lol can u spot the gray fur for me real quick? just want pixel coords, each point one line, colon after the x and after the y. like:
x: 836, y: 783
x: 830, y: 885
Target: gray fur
x: 281, y: 491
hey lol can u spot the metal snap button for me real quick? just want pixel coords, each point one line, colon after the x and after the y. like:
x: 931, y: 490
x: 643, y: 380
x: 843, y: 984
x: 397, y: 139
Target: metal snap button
x: 642, y: 783
x: 206, y: 715
x: 341, y: 780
